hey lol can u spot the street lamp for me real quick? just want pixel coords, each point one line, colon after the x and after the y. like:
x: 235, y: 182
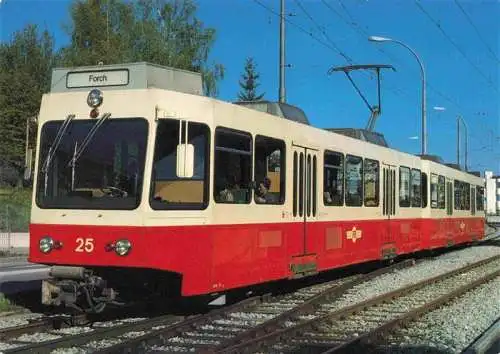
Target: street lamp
x: 424, y: 121
x: 459, y: 119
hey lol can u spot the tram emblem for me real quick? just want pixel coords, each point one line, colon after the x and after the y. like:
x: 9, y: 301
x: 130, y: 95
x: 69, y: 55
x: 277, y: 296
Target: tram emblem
x: 354, y: 234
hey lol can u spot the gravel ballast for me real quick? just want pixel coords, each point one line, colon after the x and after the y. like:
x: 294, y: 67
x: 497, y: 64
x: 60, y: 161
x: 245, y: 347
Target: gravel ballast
x: 454, y: 327
x: 423, y: 270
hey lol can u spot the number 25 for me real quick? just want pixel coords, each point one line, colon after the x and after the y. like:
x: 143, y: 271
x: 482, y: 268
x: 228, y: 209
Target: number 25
x: 84, y: 245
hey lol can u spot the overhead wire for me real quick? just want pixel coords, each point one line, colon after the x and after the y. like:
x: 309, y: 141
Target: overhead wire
x: 321, y: 30
x: 353, y: 23
x: 303, y: 30
x: 469, y: 19
x: 332, y: 46
x: 455, y: 45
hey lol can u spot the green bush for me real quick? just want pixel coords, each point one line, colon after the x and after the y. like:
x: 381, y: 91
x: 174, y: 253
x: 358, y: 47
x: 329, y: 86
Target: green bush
x: 5, y: 304
x: 15, y: 208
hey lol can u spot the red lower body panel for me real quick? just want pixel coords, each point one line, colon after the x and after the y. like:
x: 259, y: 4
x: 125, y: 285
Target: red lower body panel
x: 221, y: 257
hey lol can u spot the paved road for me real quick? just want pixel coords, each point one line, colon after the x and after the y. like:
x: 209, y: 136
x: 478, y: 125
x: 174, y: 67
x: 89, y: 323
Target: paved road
x: 18, y: 275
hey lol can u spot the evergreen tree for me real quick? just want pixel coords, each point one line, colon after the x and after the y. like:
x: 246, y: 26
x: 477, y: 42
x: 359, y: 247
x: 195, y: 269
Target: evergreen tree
x: 249, y: 83
x: 25, y: 64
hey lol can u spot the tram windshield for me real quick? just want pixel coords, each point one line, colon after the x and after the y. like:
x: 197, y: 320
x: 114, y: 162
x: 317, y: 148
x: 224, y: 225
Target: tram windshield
x: 107, y: 173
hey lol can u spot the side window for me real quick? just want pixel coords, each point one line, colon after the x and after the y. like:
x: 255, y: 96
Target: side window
x: 333, y: 178
x: 442, y: 193
x: 457, y: 191
x: 354, y: 181
x: 479, y: 198
x: 404, y: 187
x: 169, y: 191
x: 269, y: 170
x: 434, y: 191
x: 371, y: 180
x: 233, y: 166
x: 462, y: 195
x: 415, y: 190
x: 466, y: 189
x: 424, y: 190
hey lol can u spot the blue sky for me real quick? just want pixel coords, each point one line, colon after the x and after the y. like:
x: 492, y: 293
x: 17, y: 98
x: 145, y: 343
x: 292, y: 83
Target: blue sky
x: 462, y: 64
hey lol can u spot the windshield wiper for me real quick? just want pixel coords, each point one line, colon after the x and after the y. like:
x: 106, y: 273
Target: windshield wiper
x: 88, y: 138
x: 57, y: 141
x: 53, y: 148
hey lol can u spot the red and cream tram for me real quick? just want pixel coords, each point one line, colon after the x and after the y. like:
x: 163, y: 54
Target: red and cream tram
x: 144, y: 185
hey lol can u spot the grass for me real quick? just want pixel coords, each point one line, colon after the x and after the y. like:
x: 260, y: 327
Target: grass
x: 5, y: 304
x: 15, y: 207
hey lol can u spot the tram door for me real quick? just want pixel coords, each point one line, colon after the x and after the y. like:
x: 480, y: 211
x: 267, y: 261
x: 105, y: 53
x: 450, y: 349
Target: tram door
x: 389, y: 193
x: 388, y: 202
x: 304, y: 208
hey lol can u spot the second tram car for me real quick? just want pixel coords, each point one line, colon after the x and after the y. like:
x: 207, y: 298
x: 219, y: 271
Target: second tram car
x: 143, y: 186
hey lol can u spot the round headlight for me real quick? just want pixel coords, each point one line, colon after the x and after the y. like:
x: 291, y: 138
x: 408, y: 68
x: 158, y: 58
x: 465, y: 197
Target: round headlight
x: 122, y: 247
x: 94, y: 99
x: 46, y: 244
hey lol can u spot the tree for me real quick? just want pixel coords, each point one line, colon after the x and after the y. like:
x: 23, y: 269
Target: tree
x: 25, y: 64
x: 249, y: 83
x: 164, y: 32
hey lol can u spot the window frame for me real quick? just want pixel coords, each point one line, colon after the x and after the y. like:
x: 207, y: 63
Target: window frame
x: 405, y: 205
x: 361, y: 197
x: 442, y: 179
x: 411, y: 187
x: 377, y: 184
x: 437, y: 190
x: 206, y: 185
x: 282, y: 196
x: 250, y: 153
x: 340, y: 168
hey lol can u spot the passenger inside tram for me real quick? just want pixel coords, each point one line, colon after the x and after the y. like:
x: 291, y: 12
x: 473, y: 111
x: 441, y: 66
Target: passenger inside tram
x: 262, y: 194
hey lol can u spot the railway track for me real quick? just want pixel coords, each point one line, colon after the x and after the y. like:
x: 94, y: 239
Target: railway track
x: 231, y: 325
x: 287, y: 322
x: 227, y: 321
x: 354, y: 328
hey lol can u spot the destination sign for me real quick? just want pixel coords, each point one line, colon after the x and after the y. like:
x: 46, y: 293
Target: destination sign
x: 97, y: 78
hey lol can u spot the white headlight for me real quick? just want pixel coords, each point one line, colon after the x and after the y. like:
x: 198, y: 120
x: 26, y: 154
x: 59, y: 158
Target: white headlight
x: 46, y: 244
x: 94, y: 99
x: 122, y: 247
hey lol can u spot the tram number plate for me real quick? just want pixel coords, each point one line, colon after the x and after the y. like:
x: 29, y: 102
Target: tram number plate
x: 84, y: 245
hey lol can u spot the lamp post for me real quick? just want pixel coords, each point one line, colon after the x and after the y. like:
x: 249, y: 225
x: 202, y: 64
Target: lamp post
x: 424, y: 120
x: 459, y: 120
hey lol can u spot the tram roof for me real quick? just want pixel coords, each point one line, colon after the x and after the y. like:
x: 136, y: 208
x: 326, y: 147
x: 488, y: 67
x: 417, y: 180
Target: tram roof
x: 139, y: 75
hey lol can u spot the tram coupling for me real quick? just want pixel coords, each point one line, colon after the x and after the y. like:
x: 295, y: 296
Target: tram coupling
x: 77, y: 288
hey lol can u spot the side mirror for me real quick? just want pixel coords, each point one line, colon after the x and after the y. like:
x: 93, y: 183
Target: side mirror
x: 185, y: 160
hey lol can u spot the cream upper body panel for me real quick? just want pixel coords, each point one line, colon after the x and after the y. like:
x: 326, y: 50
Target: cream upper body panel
x: 153, y: 104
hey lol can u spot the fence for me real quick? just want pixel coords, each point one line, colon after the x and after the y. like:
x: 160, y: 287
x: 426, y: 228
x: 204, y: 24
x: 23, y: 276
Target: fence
x: 14, y: 223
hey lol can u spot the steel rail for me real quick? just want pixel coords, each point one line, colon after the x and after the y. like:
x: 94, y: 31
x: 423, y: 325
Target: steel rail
x: 156, y: 336
x: 31, y: 327
x: 387, y: 328
x: 44, y: 323
x: 283, y: 335
x: 78, y: 340
x: 160, y: 337
x: 309, y: 306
